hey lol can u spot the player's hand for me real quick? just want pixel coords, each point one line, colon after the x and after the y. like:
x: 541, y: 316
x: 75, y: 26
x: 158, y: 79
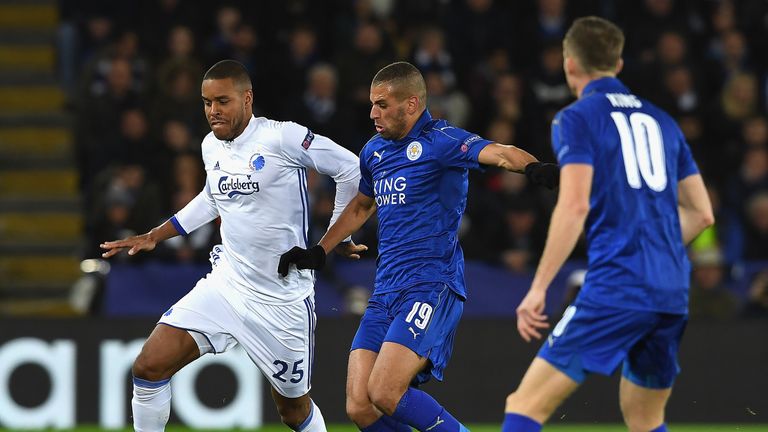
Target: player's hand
x: 133, y: 244
x: 545, y: 174
x: 350, y: 249
x: 312, y: 258
x: 530, y: 315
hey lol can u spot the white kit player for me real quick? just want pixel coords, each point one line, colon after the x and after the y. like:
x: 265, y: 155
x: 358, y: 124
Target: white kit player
x: 257, y: 182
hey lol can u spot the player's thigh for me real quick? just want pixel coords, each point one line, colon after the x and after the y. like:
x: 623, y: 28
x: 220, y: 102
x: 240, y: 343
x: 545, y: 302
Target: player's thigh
x: 359, y: 369
x: 395, y: 367
x: 193, y: 326
x: 167, y: 350
x: 425, y: 319
x: 206, y: 316
x: 642, y: 407
x: 652, y: 361
x: 280, y: 340
x: 542, y: 390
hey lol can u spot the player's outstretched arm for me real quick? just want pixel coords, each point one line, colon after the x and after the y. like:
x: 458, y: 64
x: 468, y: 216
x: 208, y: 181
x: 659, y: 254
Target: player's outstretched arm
x: 146, y: 241
x: 352, y: 218
x: 564, y: 229
x: 694, y: 207
x: 520, y: 161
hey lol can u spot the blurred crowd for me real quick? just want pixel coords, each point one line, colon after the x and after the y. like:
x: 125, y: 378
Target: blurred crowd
x: 132, y: 70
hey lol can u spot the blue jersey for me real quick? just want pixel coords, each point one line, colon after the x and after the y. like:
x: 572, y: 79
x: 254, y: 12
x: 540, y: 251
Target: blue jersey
x: 637, y: 259
x: 419, y: 184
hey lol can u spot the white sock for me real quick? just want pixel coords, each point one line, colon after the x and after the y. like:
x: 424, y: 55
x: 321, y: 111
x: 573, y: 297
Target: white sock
x: 315, y: 421
x: 151, y: 404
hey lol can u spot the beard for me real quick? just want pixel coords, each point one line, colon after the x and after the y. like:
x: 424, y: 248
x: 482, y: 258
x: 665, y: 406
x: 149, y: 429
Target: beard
x: 398, y: 126
x: 230, y: 134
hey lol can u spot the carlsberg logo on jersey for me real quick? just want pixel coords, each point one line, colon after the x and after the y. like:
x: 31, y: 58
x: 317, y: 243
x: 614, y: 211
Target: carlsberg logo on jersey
x: 231, y: 186
x: 389, y: 191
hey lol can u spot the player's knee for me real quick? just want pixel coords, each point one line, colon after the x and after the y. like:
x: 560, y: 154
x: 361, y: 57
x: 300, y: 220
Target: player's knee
x: 384, y: 398
x: 511, y: 404
x: 639, y: 424
x: 148, y: 368
x: 532, y: 406
x: 638, y: 419
x: 359, y: 411
x: 292, y: 415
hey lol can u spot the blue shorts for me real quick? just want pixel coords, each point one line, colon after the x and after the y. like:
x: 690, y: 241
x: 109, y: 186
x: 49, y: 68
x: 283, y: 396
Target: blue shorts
x: 422, y: 318
x: 596, y: 339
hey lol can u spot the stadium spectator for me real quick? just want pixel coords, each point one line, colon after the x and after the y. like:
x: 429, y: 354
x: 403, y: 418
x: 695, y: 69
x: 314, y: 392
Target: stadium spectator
x: 219, y: 44
x: 321, y: 110
x: 135, y: 144
x: 484, y: 25
x: 177, y: 99
x: 754, y: 132
x: 679, y: 94
x: 98, y: 120
x: 549, y: 91
x: 369, y: 53
x: 126, y: 202
x: 756, y: 229
x: 710, y: 299
x: 295, y: 62
x: 756, y: 305
x: 446, y: 101
x: 180, y: 53
x: 431, y: 56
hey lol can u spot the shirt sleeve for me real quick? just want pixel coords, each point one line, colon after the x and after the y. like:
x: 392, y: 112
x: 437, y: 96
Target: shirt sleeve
x: 198, y: 212
x: 686, y: 166
x: 458, y: 148
x: 322, y: 154
x: 366, y: 179
x: 571, y: 139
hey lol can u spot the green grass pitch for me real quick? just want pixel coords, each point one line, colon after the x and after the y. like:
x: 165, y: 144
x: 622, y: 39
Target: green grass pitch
x: 497, y: 428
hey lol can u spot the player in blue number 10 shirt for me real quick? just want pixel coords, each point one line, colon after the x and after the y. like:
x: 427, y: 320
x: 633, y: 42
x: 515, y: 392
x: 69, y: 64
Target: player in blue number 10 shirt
x: 628, y: 179
x: 414, y: 175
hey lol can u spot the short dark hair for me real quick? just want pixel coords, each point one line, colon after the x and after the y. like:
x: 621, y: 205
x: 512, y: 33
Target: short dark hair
x: 596, y: 42
x: 405, y: 79
x: 230, y: 69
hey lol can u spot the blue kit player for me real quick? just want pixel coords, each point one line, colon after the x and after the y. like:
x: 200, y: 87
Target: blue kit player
x: 414, y: 175
x: 628, y: 179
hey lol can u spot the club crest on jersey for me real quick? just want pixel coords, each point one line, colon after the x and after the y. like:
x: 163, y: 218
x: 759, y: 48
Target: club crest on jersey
x: 256, y: 162
x: 413, y: 151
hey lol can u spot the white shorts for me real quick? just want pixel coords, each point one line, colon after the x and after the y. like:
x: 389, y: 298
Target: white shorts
x: 279, y: 339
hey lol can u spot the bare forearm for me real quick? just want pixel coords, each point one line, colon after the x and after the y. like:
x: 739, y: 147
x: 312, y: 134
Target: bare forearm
x: 692, y: 223
x: 508, y: 157
x: 351, y: 219
x: 163, y: 232
x: 694, y: 207
x: 516, y: 159
x: 564, y: 231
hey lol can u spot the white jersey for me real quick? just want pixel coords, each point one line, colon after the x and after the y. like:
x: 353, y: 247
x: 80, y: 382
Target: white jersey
x: 257, y: 183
